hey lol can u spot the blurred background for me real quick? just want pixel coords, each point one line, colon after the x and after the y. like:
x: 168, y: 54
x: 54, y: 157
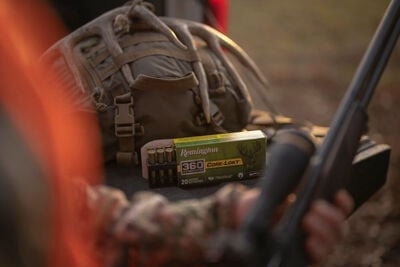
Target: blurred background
x: 309, y: 51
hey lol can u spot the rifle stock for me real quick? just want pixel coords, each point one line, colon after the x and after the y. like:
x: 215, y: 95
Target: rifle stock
x: 331, y: 165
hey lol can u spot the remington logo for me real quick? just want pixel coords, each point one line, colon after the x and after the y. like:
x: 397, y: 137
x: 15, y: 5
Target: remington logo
x: 198, y: 151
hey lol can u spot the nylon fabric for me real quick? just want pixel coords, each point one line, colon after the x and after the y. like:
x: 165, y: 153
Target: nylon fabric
x: 179, y: 86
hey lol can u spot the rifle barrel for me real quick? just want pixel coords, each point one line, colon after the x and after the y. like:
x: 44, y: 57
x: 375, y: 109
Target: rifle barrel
x: 368, y: 72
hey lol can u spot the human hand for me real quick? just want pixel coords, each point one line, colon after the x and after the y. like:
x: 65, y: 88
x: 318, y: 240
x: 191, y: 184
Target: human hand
x: 323, y: 223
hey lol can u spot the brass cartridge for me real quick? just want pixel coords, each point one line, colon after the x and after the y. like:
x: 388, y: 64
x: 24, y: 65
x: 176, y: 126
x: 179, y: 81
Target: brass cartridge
x: 160, y: 155
x: 170, y: 154
x: 151, y: 153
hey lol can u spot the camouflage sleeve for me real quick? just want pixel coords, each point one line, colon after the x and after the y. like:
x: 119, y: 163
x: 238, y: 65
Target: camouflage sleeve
x: 151, y: 231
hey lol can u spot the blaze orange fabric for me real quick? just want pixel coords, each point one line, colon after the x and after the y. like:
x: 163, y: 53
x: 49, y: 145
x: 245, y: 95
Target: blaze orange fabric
x: 67, y: 146
x: 220, y: 9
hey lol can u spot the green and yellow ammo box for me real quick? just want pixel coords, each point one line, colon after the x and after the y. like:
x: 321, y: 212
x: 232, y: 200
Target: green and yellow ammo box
x: 202, y: 160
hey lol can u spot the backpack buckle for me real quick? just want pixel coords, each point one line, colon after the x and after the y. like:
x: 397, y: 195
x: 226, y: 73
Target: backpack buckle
x: 126, y: 129
x: 124, y: 119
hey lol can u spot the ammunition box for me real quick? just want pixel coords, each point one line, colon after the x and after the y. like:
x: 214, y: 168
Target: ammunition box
x: 202, y: 160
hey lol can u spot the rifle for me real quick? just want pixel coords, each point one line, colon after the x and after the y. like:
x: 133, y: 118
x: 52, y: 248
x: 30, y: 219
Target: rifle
x: 317, y: 172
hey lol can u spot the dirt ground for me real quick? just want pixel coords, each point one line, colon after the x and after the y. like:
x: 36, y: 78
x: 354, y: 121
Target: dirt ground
x: 309, y: 51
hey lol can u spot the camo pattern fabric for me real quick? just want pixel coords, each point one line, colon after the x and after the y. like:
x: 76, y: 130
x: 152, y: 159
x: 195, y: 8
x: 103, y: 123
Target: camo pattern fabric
x: 151, y: 231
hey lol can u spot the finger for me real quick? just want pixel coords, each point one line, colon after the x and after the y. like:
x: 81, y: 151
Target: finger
x: 330, y: 214
x: 324, y: 221
x: 318, y: 227
x: 344, y: 201
x: 317, y: 252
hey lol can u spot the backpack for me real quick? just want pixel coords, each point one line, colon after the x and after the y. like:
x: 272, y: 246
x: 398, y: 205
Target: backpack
x: 152, y: 77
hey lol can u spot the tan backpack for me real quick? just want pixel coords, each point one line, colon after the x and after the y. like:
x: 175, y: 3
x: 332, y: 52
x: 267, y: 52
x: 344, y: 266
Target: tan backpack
x: 151, y: 78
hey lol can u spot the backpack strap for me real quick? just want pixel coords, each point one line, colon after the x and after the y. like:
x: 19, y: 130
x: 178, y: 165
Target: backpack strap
x: 134, y: 55
x: 138, y: 38
x: 125, y: 130
x: 145, y: 82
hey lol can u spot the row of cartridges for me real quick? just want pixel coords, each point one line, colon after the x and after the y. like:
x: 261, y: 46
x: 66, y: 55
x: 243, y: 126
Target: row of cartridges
x: 161, y: 164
